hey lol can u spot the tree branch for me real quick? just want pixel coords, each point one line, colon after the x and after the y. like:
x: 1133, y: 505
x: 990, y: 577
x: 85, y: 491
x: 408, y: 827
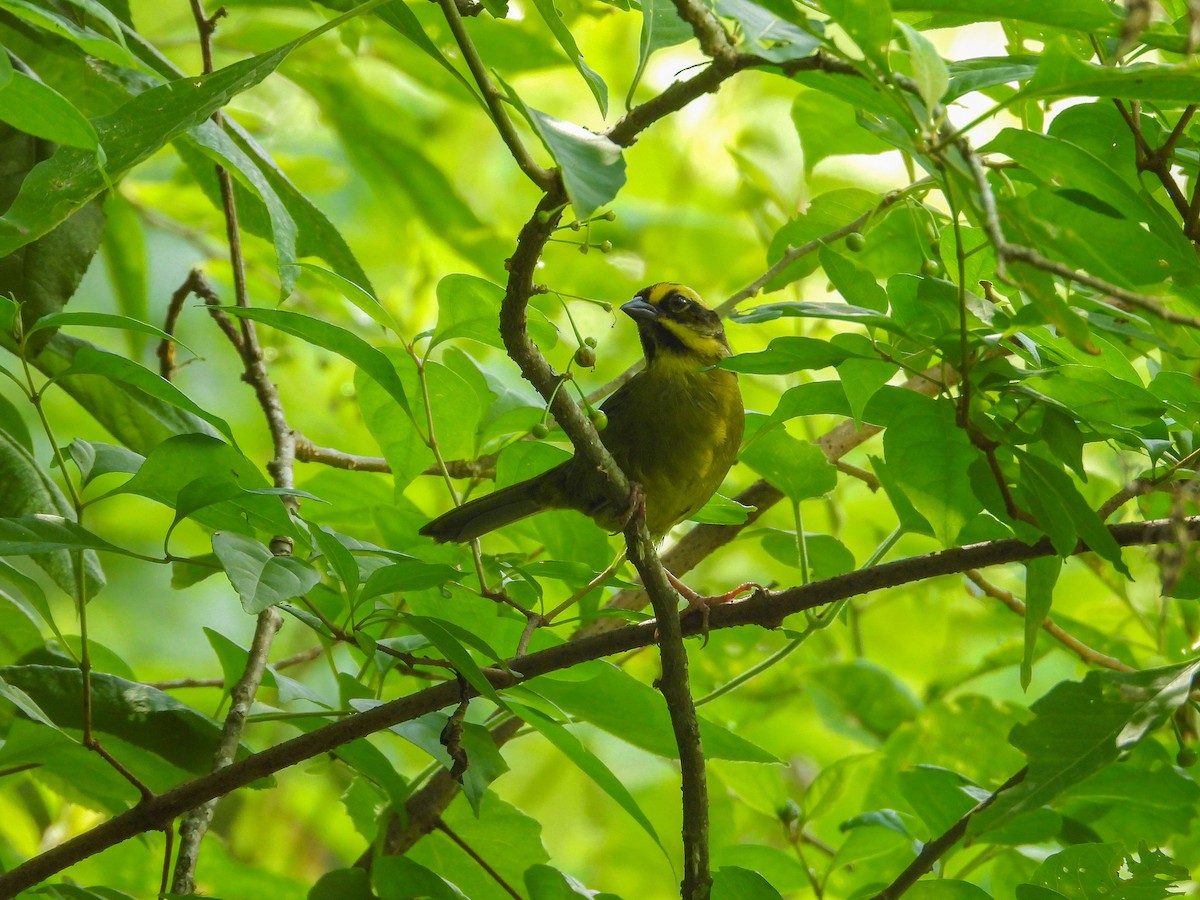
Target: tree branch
x: 1089, y: 655
x: 766, y: 609
x: 939, y: 846
x: 492, y: 98
x: 1007, y: 252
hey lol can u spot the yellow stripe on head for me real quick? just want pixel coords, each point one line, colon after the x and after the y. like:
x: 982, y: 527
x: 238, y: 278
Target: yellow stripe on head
x: 685, y: 332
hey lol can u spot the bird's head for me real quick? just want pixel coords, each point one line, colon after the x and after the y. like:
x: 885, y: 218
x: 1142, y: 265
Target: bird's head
x: 676, y: 327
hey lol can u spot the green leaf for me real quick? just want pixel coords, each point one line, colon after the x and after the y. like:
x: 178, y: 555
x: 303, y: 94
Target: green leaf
x: 341, y: 562
x: 95, y: 459
x: 661, y: 28
x: 1097, y: 398
x: 788, y: 354
x: 400, y: 878
x: 89, y: 360
x: 1052, y: 493
x: 592, y: 166
x: 946, y: 889
x: 99, y: 320
x: 1040, y: 577
x: 1060, y: 74
x: 90, y: 42
x: 1080, y: 15
x: 24, y: 703
x: 1107, y: 870
x: 447, y: 642
x: 136, y: 713
x: 843, y: 312
x: 1081, y: 727
x: 768, y: 35
x: 44, y: 274
x: 569, y: 745
x: 360, y: 296
x: 869, y: 24
x: 553, y: 19
x: 218, y: 147
x: 721, y: 510
x: 546, y: 883
x: 401, y: 18
x: 32, y: 107
x: 135, y: 418
x: 861, y: 380
x: 617, y: 703
x: 469, y: 309
x: 856, y: 284
x: 929, y: 69
x: 71, y: 177
x: 828, y: 212
x: 40, y: 521
x: 734, y: 883
x: 408, y: 575
x: 335, y: 339
x: 862, y: 698
x: 43, y: 533
x: 929, y: 458
x: 829, y: 126
x: 261, y: 578
x: 799, y: 469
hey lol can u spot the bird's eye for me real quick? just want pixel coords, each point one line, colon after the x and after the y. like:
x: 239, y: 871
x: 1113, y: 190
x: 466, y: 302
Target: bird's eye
x: 677, y: 303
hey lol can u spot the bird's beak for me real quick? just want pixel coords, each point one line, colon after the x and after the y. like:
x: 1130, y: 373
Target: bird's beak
x: 640, y: 310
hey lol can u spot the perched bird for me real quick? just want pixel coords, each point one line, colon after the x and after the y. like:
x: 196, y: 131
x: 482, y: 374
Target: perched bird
x: 674, y: 429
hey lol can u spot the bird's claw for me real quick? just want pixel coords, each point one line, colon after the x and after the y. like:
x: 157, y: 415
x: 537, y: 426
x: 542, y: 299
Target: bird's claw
x: 637, y: 504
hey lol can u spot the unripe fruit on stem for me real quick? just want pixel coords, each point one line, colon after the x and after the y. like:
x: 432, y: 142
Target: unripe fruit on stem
x: 930, y: 268
x: 541, y: 431
x: 855, y: 242
x: 585, y: 356
x: 1185, y: 758
x: 590, y: 341
x: 599, y: 419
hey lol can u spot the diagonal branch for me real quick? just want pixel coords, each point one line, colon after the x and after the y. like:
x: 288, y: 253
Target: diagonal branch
x: 766, y: 609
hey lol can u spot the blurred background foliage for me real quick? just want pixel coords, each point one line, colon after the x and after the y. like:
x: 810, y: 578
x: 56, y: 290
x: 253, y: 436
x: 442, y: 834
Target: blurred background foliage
x: 876, y: 732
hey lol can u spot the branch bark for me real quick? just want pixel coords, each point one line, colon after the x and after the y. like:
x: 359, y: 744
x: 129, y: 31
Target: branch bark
x: 767, y: 609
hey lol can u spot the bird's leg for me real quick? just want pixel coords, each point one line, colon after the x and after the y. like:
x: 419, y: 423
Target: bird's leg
x: 637, y: 504
x: 702, y: 603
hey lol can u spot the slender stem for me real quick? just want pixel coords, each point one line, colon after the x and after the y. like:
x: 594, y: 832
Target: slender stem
x: 543, y: 178
x: 764, y: 609
x: 939, y: 846
x: 479, y: 860
x: 1089, y: 655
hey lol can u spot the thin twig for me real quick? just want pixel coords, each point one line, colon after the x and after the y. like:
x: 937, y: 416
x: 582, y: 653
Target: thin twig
x: 493, y: 99
x: 479, y: 860
x: 768, y: 609
x: 939, y: 846
x: 1088, y: 654
x: 765, y: 609
x: 1006, y: 253
x: 195, y: 823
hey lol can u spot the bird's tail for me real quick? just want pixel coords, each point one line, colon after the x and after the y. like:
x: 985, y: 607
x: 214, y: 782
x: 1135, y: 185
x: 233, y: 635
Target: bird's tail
x: 497, y: 509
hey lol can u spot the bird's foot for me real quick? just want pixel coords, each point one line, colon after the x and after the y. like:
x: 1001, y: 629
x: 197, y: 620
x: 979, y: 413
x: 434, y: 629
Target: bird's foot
x: 637, y: 504
x: 702, y: 603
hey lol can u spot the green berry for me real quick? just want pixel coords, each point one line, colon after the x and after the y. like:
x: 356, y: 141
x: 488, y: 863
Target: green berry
x: 611, y: 215
x: 930, y: 268
x: 606, y: 247
x: 541, y: 431
x: 599, y: 419
x: 590, y: 341
x: 585, y: 356
x: 855, y: 242
x: 1185, y: 758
